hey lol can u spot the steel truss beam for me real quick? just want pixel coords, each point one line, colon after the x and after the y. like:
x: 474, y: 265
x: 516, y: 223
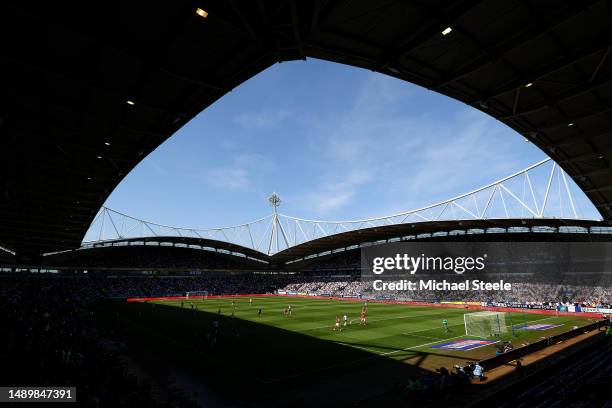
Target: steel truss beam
x: 529, y: 193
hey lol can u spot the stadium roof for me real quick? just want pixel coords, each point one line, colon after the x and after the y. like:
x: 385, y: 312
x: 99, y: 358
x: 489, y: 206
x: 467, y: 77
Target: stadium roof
x: 363, y: 236
x: 187, y: 241
x: 89, y: 90
x: 351, y: 238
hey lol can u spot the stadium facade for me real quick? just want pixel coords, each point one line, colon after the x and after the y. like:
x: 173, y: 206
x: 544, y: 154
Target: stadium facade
x: 86, y: 99
x: 89, y: 91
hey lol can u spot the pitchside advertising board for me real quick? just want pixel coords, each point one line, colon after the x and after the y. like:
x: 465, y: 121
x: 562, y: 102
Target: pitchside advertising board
x: 455, y: 271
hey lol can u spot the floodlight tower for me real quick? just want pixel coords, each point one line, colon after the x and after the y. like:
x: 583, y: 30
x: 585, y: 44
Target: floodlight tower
x: 275, y: 202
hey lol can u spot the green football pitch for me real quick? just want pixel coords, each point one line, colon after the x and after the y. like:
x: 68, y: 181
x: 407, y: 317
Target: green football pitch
x: 273, y: 347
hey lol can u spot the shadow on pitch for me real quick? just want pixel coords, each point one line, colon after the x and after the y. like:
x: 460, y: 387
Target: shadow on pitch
x: 267, y: 364
x: 394, y: 352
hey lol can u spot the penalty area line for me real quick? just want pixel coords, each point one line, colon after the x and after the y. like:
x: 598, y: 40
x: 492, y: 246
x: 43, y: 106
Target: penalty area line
x: 375, y: 354
x: 420, y: 345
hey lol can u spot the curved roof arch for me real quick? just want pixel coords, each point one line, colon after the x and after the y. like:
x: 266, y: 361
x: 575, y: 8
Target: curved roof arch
x: 161, y: 253
x: 350, y: 240
x: 519, y: 196
x: 230, y: 248
x: 398, y: 231
x: 89, y: 91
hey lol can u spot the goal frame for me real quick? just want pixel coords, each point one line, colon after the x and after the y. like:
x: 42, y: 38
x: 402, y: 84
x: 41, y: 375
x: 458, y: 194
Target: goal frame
x: 502, y: 326
x: 196, y: 294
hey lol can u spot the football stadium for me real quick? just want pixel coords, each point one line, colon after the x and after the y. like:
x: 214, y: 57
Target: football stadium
x: 493, y: 289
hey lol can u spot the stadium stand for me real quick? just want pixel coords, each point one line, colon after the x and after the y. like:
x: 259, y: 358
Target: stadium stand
x: 89, y: 91
x: 533, y: 295
x: 48, y: 337
x: 580, y: 381
x: 151, y: 257
x: 52, y: 313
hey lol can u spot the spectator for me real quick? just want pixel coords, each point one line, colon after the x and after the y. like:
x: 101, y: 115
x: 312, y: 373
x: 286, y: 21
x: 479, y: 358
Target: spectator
x: 478, y: 372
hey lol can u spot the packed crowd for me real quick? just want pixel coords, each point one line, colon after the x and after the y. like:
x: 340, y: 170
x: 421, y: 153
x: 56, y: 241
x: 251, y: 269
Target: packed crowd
x: 529, y: 294
x: 440, y: 387
x: 532, y: 294
x: 177, y: 286
x: 326, y: 288
x: 49, y: 338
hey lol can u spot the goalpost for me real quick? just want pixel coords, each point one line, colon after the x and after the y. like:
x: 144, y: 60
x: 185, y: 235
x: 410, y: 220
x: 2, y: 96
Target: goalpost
x: 485, y: 324
x: 197, y: 294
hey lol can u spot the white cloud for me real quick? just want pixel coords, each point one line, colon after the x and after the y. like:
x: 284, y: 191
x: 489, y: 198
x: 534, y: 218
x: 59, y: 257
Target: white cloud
x: 327, y: 200
x: 229, y: 178
x: 418, y: 158
x: 241, y: 173
x: 262, y: 118
x: 335, y: 194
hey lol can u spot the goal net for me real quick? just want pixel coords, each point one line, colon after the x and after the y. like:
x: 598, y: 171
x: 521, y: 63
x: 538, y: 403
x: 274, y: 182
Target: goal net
x: 197, y: 294
x: 485, y: 324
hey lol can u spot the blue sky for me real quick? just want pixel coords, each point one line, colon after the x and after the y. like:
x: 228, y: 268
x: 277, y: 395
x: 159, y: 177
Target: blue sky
x: 335, y: 142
